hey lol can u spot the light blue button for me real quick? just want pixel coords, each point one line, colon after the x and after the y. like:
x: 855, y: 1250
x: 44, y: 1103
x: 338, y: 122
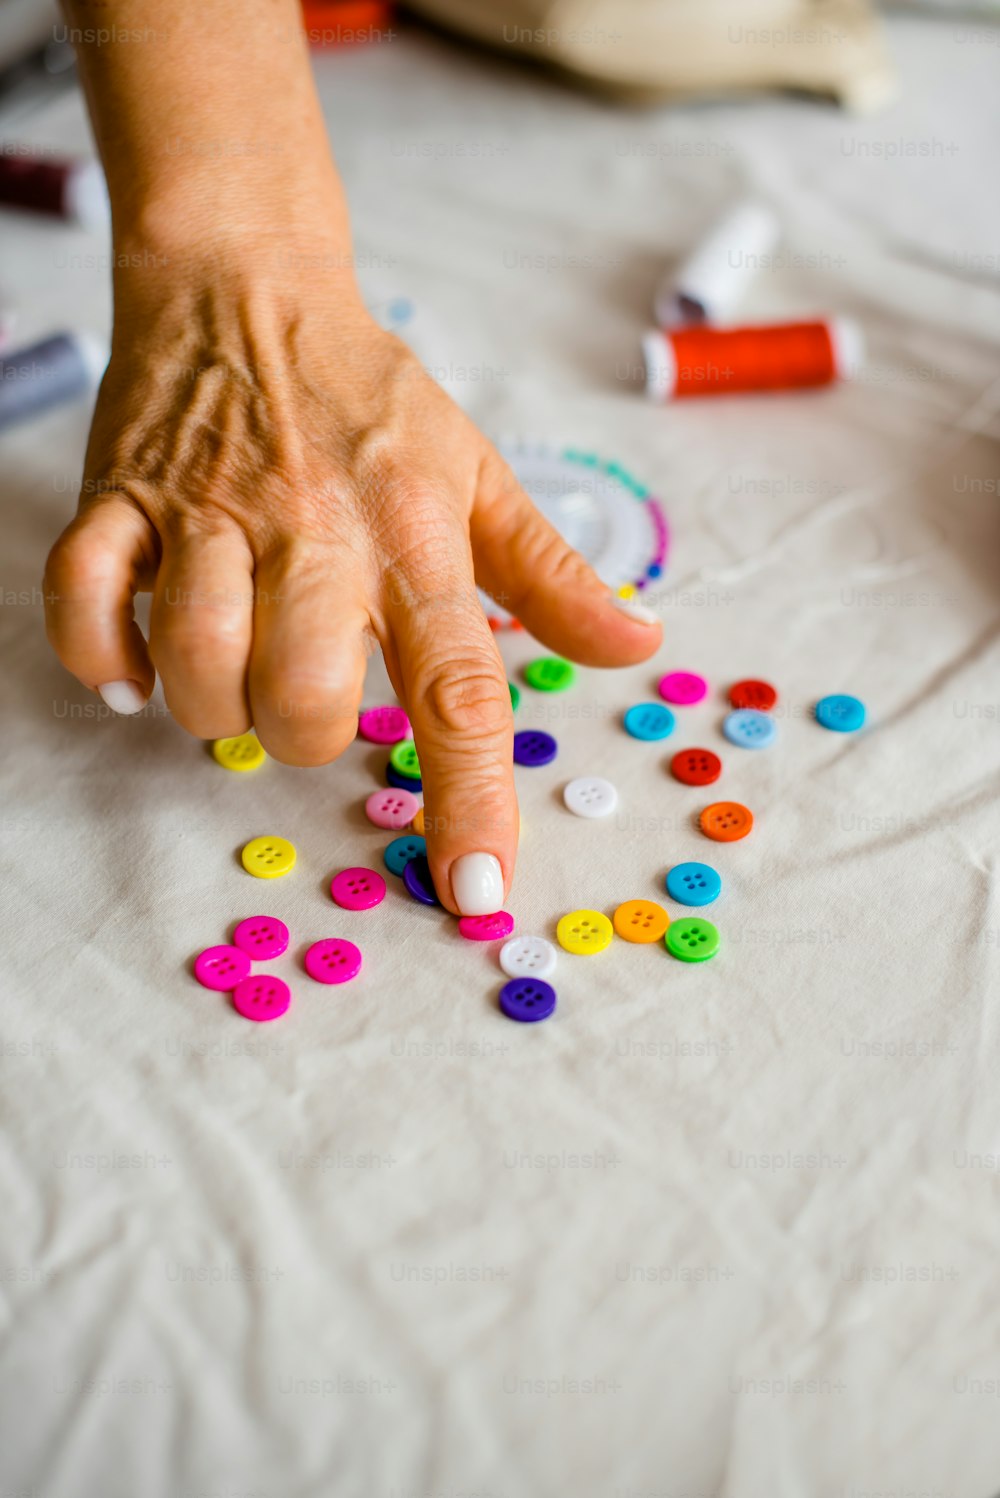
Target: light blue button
x: 749, y: 728
x: 842, y: 714
x: 649, y: 720
x: 693, y: 884
x: 402, y: 849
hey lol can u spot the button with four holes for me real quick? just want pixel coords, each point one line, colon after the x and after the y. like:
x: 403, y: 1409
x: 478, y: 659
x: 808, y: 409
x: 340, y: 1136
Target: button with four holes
x: 221, y: 968
x: 403, y: 758
x: 550, y: 673
x: 358, y: 889
x: 268, y: 857
x: 693, y: 884
x: 261, y: 997
x: 391, y: 808
x: 590, y: 796
x: 682, y: 688
x: 692, y: 939
x: 486, y: 927
x: 418, y: 881
x: 245, y: 752
x: 384, y: 725
x: 649, y: 720
x: 399, y: 852
x: 584, y: 932
x: 528, y: 957
x: 532, y: 747
x: 749, y: 728
x: 696, y: 766
x: 333, y: 960
x: 641, y: 920
x: 840, y: 713
x: 726, y: 821
x: 527, y: 1000
x: 757, y: 694
x: 261, y: 937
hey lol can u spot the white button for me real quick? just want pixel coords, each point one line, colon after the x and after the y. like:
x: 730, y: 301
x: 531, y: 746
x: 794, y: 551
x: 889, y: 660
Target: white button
x: 528, y: 957
x: 590, y: 796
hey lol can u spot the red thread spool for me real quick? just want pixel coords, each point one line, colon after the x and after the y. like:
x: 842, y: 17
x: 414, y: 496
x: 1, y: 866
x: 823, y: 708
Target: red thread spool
x: 730, y: 361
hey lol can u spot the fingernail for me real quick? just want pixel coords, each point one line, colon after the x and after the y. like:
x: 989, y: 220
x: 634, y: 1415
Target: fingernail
x: 477, y: 883
x: 124, y: 697
x: 637, y: 611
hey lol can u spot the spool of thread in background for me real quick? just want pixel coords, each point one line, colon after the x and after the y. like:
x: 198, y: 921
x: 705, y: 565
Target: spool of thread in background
x: 686, y: 362
x: 47, y: 374
x: 73, y: 190
x: 707, y: 287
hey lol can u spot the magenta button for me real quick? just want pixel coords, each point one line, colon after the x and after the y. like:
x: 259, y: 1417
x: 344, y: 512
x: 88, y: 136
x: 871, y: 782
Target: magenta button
x: 384, y: 725
x: 358, y: 889
x: 333, y: 961
x: 391, y: 808
x: 221, y: 968
x: 486, y: 927
x: 261, y: 997
x: 261, y: 937
x: 682, y: 688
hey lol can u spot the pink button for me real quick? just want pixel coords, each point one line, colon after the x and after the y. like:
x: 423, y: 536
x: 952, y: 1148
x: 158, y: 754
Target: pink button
x: 261, y: 937
x: 333, y: 961
x: 486, y: 927
x: 384, y: 725
x: 358, y: 889
x: 391, y: 808
x: 221, y: 968
x: 261, y: 997
x: 682, y: 688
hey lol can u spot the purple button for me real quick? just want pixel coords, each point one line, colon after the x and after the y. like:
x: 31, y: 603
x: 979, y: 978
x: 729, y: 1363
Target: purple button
x: 417, y: 878
x: 527, y: 1000
x: 402, y: 782
x: 532, y: 747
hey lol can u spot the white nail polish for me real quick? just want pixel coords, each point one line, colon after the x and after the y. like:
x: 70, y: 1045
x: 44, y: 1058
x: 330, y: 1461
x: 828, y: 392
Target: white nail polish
x: 637, y: 611
x: 123, y: 697
x: 477, y: 883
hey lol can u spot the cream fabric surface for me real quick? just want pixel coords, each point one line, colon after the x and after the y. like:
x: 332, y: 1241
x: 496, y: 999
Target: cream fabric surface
x: 724, y: 1231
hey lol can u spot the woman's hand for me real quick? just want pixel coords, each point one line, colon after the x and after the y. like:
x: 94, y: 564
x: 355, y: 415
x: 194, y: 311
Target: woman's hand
x: 295, y: 489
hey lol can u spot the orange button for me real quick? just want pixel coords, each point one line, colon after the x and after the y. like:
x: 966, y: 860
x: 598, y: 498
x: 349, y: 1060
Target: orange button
x: 641, y: 920
x: 418, y: 822
x: 726, y: 821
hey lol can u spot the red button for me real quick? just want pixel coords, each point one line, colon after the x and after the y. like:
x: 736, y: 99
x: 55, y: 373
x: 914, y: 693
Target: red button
x: 696, y: 766
x: 758, y: 694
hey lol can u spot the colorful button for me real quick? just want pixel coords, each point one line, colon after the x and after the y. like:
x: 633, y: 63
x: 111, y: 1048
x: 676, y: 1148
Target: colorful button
x: 268, y: 857
x: 401, y: 850
x: 692, y: 939
x: 358, y: 889
x: 221, y: 968
x: 641, y: 920
x: 333, y: 960
x: 384, y: 725
x: 261, y: 937
x: 418, y: 881
x: 391, y: 808
x: 649, y: 720
x: 550, y: 673
x: 726, y: 821
x: 590, y: 796
x: 486, y: 927
x: 403, y: 757
x: 693, y: 884
x: 749, y: 728
x: 261, y: 997
x: 757, y: 694
x: 682, y: 688
x: 532, y: 747
x: 584, y: 932
x: 840, y: 713
x: 418, y: 822
x: 245, y: 752
x: 696, y: 766
x: 527, y: 1000
x: 515, y: 696
x: 528, y: 957
x: 402, y: 782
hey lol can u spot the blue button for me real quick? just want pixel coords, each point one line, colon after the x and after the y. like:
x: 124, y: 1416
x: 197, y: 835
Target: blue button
x: 649, y: 720
x: 401, y: 850
x: 527, y: 1000
x: 418, y: 881
x: 402, y: 782
x: 750, y: 729
x: 693, y: 884
x: 842, y: 714
x: 532, y: 747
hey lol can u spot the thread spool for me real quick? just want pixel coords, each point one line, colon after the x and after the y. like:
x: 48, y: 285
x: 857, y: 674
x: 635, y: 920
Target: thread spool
x: 685, y: 362
x: 707, y: 287
x: 73, y: 190
x: 47, y: 374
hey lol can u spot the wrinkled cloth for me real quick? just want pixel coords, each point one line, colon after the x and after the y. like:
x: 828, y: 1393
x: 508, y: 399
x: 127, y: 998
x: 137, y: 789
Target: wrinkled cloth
x: 728, y: 1230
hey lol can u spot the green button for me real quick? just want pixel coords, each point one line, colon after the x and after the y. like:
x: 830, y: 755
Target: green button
x: 515, y: 695
x: 692, y: 939
x: 403, y: 757
x: 549, y: 674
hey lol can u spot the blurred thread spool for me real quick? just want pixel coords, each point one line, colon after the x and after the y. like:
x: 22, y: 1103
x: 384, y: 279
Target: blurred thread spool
x: 687, y: 362
x: 707, y: 286
x: 49, y: 373
x: 73, y: 190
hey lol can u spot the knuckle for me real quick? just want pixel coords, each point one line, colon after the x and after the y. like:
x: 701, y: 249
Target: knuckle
x: 466, y: 696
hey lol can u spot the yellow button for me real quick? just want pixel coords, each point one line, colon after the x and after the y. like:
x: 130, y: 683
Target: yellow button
x: 584, y: 932
x: 242, y: 753
x: 418, y: 823
x: 268, y: 857
x: 641, y: 920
